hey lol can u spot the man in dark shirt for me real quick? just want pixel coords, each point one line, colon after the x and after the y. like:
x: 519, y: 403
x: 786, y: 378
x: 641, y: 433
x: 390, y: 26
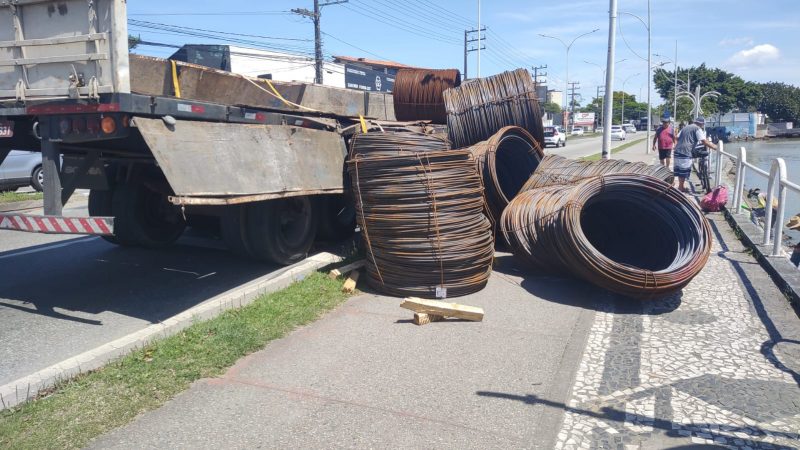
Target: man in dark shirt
x: 692, y: 136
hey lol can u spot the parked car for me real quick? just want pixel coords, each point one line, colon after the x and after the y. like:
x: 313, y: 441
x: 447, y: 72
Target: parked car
x: 554, y: 136
x: 21, y: 168
x: 577, y: 131
x: 629, y: 128
x: 598, y: 130
x: 617, y: 132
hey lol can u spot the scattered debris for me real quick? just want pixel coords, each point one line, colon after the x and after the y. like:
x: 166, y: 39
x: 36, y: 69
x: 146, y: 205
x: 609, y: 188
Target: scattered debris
x: 350, y: 283
x: 444, y: 309
x: 424, y: 319
x: 340, y: 271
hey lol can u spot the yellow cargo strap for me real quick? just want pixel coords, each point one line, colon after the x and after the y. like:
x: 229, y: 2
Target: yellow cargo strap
x: 175, y: 83
x: 278, y: 95
x: 363, y: 123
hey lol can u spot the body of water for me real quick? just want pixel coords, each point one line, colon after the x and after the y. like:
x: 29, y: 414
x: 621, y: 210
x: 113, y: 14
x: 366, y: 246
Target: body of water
x: 761, y: 154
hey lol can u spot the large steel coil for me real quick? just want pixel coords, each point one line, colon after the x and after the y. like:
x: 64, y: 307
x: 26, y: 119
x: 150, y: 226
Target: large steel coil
x: 505, y: 162
x: 555, y: 169
x: 422, y: 216
x: 418, y: 93
x: 630, y: 234
x: 393, y: 143
x: 480, y: 107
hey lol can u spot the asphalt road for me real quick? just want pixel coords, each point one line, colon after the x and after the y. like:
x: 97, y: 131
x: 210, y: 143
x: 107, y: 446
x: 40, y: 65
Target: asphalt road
x: 61, y: 295
x: 579, y: 147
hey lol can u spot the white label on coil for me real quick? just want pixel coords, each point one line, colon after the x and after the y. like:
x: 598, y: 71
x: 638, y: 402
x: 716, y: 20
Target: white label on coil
x: 441, y: 292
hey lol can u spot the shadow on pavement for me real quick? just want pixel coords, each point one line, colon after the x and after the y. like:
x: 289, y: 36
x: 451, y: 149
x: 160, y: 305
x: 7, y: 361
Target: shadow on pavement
x: 615, y: 416
x: 571, y: 291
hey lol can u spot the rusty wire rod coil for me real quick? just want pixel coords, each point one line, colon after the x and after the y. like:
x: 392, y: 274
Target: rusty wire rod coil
x: 505, y: 162
x: 630, y: 234
x: 418, y: 93
x: 480, y: 107
x: 555, y: 169
x: 421, y: 211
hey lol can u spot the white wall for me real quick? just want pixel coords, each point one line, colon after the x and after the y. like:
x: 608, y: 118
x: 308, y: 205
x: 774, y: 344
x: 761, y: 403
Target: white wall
x: 283, y: 66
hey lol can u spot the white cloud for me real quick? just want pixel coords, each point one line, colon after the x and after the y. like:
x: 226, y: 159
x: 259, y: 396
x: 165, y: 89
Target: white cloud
x: 760, y: 54
x: 731, y: 42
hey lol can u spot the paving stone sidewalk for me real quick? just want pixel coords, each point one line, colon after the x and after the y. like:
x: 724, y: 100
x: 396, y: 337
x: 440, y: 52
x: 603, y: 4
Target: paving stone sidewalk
x: 555, y: 364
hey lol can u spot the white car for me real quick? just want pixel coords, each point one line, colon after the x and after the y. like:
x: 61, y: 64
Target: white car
x: 629, y: 128
x: 577, y: 131
x: 554, y: 136
x: 21, y: 168
x: 617, y: 132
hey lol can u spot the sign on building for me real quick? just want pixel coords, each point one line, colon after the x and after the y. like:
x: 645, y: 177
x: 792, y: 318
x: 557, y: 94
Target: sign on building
x: 358, y: 77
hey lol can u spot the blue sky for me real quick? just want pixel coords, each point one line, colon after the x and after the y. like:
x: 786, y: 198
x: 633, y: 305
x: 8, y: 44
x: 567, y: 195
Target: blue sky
x: 757, y: 40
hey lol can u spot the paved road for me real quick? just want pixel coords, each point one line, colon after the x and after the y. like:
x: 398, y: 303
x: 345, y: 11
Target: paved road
x: 577, y: 148
x: 61, y: 296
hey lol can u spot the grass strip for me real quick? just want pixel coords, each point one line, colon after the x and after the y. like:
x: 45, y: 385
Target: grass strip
x: 76, y: 411
x: 597, y: 156
x: 11, y: 197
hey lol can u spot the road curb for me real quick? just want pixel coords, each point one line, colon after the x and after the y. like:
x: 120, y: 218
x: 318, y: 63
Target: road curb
x: 32, y: 204
x: 26, y: 388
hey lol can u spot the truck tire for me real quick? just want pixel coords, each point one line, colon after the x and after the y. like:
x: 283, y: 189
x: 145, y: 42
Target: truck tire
x: 233, y: 228
x: 336, y: 217
x: 100, y: 205
x: 281, y: 230
x: 144, y: 217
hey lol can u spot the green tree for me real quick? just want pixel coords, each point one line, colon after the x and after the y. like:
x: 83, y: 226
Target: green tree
x: 737, y: 95
x: 552, y: 108
x: 780, y: 101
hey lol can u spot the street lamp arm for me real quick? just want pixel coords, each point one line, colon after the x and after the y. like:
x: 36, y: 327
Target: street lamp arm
x: 553, y: 37
x: 584, y: 34
x: 637, y: 17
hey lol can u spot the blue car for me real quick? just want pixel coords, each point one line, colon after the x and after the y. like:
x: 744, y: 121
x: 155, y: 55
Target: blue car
x: 21, y: 168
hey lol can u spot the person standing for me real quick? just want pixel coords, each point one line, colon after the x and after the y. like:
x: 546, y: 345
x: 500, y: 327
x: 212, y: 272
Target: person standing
x: 664, y: 141
x: 693, y: 135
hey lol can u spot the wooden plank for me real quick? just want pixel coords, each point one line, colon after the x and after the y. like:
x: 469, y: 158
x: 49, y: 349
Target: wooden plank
x: 445, y: 309
x: 423, y: 318
x: 339, y: 271
x: 350, y: 283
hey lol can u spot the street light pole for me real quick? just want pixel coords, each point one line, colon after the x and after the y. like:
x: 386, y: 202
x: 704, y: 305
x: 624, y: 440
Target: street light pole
x: 675, y: 89
x: 568, y: 47
x: 622, y: 116
x: 649, y: 80
x: 608, y: 104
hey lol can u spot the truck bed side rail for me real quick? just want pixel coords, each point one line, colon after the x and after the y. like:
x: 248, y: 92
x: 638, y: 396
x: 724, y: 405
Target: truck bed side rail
x: 97, y: 226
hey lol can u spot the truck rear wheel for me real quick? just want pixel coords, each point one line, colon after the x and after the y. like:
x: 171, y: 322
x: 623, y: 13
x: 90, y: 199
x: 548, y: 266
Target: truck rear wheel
x: 145, y: 217
x: 233, y: 228
x: 100, y: 205
x: 281, y: 230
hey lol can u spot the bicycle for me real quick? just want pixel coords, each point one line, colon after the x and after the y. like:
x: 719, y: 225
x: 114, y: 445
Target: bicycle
x: 702, y: 168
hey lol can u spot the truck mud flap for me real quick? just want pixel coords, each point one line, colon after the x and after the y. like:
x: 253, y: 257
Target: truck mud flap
x: 98, y: 226
x: 224, y: 159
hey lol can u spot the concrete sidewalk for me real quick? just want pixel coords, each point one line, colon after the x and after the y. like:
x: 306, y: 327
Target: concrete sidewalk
x: 556, y: 363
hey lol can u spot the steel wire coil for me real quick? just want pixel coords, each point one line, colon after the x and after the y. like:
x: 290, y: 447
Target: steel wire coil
x: 505, y: 162
x: 630, y: 234
x: 421, y: 211
x: 480, y: 107
x: 418, y: 93
x: 558, y: 170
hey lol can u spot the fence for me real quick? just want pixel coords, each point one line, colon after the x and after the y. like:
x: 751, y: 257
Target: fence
x: 777, y: 180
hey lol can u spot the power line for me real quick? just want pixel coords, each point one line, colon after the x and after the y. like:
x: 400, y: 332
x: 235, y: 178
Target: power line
x: 426, y: 17
x: 144, y: 23
x: 413, y: 29
x: 453, y: 16
x: 354, y: 46
x: 227, y: 13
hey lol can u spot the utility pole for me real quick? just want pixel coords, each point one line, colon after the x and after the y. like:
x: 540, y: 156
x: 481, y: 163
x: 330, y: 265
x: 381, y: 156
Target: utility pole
x: 467, y: 41
x: 573, y: 86
x: 600, y: 94
x: 315, y: 17
x: 609, y: 95
x: 536, y: 74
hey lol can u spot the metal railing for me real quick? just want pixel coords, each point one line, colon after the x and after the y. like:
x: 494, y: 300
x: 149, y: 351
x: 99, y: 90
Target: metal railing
x: 776, y: 178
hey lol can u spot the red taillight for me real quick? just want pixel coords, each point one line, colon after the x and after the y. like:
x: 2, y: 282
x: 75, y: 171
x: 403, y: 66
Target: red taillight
x: 108, y: 125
